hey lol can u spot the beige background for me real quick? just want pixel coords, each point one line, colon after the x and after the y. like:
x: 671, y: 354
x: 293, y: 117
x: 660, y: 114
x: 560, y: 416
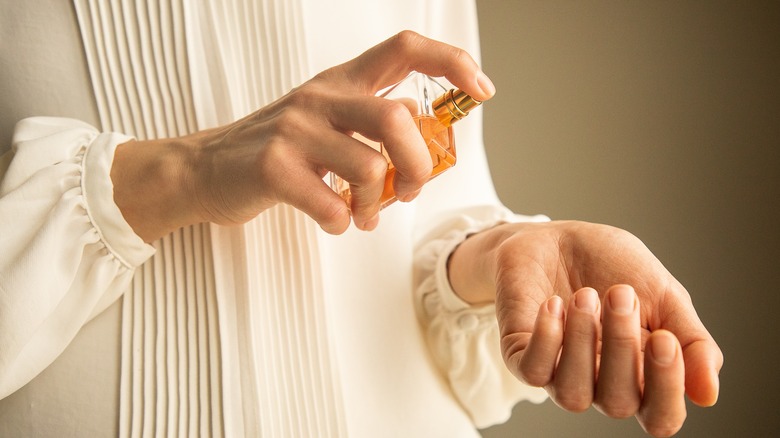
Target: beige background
x: 663, y: 118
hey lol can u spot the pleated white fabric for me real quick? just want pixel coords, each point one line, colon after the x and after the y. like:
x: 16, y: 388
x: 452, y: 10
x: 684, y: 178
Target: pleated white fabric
x: 138, y: 64
x: 281, y: 346
x: 179, y: 327
x: 171, y: 379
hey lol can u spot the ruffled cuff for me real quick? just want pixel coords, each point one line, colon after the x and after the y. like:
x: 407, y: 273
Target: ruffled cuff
x: 70, y: 253
x: 40, y: 142
x: 98, y: 191
x: 464, y: 339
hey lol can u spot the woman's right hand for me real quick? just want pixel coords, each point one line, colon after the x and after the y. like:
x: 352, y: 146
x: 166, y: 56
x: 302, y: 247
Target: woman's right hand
x: 280, y: 153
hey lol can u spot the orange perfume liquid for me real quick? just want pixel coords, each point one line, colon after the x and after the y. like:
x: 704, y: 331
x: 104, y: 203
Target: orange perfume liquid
x: 441, y: 146
x: 434, y: 117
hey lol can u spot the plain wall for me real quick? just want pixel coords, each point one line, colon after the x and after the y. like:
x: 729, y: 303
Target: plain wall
x: 662, y: 118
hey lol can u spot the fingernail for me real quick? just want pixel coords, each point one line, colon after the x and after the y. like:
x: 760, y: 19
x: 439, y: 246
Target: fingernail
x: 663, y: 349
x: 587, y: 300
x: 485, y: 84
x: 621, y: 299
x: 555, y: 307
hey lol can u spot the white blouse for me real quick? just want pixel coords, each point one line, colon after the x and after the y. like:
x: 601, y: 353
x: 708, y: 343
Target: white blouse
x: 273, y: 328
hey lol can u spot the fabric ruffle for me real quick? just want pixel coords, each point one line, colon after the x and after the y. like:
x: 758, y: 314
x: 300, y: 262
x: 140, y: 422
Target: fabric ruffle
x: 50, y: 210
x: 464, y: 339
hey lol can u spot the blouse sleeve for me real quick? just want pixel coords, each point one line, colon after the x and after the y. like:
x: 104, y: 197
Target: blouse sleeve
x: 464, y: 339
x: 66, y: 252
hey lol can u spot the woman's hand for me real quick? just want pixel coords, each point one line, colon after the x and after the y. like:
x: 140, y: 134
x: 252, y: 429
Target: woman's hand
x: 570, y: 323
x: 228, y: 175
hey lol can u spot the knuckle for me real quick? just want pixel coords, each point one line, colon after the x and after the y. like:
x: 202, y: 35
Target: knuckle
x: 274, y: 163
x: 406, y: 39
x: 303, y: 95
x: 285, y: 125
x: 397, y: 124
x: 274, y: 154
x: 619, y: 408
x: 572, y: 402
x: 511, y: 350
x: 620, y: 342
x: 620, y: 333
x: 626, y: 238
x: 533, y: 375
x: 577, y: 335
x: 664, y: 422
x: 372, y: 171
x: 309, y: 100
x: 395, y: 115
x: 375, y: 168
x: 459, y: 55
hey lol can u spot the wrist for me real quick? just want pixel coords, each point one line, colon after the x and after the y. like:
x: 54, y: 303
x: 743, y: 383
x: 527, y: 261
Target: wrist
x: 153, y: 186
x: 472, y: 265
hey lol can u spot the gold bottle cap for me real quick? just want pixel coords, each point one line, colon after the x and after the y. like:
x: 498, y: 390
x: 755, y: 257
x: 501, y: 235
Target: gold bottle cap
x: 453, y: 106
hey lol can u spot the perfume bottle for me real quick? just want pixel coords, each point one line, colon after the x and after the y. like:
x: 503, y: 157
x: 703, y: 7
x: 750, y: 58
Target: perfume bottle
x: 434, y: 110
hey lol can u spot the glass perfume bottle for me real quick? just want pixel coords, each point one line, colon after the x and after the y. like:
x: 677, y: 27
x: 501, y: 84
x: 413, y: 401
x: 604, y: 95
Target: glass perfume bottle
x: 434, y: 110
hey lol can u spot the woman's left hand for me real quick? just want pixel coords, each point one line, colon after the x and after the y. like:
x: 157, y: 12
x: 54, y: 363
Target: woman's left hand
x: 587, y: 312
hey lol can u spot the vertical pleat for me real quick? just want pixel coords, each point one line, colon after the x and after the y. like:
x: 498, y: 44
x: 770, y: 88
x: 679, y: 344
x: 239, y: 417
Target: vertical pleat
x: 292, y: 361
x: 171, y: 376
x: 137, y: 55
x: 288, y: 384
x: 247, y: 330
x: 171, y: 344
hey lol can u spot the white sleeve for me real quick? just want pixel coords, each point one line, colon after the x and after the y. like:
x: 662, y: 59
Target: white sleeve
x: 66, y: 252
x: 464, y: 339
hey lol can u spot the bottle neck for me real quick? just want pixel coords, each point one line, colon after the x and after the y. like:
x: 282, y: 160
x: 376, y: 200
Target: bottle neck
x: 453, y: 106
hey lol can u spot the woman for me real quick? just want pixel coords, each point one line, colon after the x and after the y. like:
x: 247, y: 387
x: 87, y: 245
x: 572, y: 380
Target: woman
x: 186, y: 237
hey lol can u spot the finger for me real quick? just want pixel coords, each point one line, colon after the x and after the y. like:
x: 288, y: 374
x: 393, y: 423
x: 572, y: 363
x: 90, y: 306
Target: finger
x: 391, y: 123
x: 703, y: 362
x: 365, y: 169
x: 663, y: 402
x: 617, y: 389
x: 703, y: 357
x: 293, y: 163
x: 318, y: 201
x: 575, y: 376
x: 391, y: 60
x: 537, y: 363
x: 324, y: 149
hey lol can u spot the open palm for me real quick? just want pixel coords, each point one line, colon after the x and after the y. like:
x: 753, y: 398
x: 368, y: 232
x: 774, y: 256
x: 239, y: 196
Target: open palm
x: 589, y: 313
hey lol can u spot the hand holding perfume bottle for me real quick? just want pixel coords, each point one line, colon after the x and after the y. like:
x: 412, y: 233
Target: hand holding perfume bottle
x: 434, y: 109
x: 280, y: 154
